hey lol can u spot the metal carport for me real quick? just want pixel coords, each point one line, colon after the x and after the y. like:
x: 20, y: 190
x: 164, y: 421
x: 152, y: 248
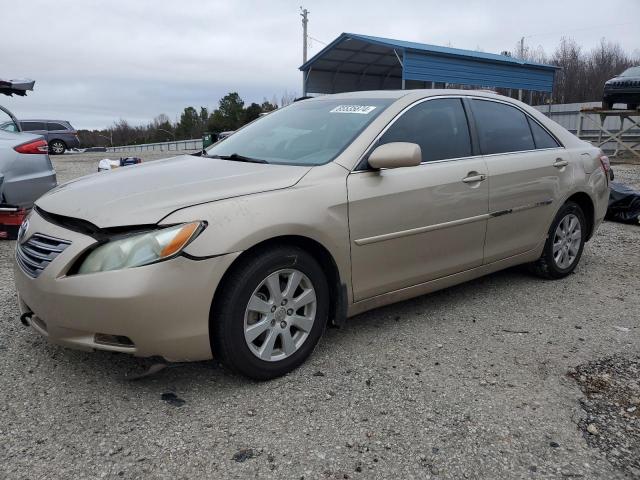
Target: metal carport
x: 355, y: 62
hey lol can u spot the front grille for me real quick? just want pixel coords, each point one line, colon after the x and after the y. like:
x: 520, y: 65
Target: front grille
x: 39, y: 251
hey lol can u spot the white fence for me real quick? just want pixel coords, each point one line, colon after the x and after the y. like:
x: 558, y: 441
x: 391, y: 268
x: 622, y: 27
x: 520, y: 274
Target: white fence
x: 568, y: 115
x: 176, y: 145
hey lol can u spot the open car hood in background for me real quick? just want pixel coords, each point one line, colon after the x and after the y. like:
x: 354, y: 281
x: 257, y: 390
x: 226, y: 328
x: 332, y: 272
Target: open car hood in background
x: 17, y: 87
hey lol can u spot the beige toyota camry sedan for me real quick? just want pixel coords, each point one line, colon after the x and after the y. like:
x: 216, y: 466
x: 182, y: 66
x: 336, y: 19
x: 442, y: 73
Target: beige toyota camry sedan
x: 314, y: 213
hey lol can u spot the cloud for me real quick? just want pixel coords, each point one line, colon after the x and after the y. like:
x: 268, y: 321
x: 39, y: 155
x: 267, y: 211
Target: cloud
x: 95, y: 62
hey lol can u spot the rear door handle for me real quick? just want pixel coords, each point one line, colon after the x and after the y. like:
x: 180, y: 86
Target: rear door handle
x: 477, y: 177
x: 560, y: 163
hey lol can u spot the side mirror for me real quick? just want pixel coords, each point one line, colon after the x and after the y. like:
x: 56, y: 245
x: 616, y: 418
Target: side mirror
x: 396, y: 155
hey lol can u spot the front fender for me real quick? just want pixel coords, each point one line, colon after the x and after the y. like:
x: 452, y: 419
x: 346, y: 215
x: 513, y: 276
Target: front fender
x: 315, y: 208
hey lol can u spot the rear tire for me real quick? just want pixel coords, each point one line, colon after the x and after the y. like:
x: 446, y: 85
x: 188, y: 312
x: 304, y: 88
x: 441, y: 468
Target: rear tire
x: 564, y: 245
x: 57, y: 147
x: 282, y: 293
x: 606, y: 105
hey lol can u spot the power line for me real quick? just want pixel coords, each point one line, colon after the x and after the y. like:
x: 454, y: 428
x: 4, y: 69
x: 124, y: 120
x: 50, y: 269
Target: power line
x: 316, y: 40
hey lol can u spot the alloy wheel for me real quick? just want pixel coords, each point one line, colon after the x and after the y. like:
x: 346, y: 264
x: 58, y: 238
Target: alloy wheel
x: 280, y: 315
x: 567, y: 241
x: 57, y: 147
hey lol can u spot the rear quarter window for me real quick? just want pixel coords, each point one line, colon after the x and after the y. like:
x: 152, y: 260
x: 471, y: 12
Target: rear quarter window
x: 501, y: 128
x: 541, y: 137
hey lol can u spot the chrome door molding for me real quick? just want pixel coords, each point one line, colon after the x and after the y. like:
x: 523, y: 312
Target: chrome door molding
x: 417, y: 231
x: 453, y: 223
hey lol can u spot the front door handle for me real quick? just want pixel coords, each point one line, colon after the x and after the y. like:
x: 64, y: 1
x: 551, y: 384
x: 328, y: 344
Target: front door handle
x: 560, y: 163
x: 474, y: 177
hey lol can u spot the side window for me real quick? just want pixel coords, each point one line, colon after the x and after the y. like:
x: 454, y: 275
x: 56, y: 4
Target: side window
x: 32, y: 126
x: 541, y: 137
x: 439, y: 126
x: 501, y: 128
x: 55, y: 126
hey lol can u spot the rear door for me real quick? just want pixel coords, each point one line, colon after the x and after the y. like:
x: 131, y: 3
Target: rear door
x: 415, y: 224
x: 39, y: 128
x: 528, y: 172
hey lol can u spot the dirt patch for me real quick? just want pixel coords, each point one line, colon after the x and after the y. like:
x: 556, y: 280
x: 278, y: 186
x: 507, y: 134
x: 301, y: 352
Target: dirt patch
x: 612, y: 405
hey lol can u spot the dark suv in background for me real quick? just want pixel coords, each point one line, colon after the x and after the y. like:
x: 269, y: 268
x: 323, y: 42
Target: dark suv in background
x: 59, y: 134
x: 625, y: 88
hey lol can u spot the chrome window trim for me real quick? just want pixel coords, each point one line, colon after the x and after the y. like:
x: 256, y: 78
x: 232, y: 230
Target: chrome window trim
x: 497, y: 100
x: 359, y: 169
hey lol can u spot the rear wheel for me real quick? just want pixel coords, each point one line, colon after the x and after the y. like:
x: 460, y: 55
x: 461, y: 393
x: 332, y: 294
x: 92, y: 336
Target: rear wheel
x: 632, y: 106
x: 57, y: 147
x: 270, y: 313
x: 564, y: 245
x: 607, y: 105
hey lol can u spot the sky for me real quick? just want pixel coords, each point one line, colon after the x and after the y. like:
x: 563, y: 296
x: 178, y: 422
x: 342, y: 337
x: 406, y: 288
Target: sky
x: 95, y: 62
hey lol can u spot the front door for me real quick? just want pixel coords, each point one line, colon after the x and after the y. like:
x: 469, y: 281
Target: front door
x: 415, y: 224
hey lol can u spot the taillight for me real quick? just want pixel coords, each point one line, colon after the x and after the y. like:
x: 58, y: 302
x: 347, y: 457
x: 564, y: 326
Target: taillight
x: 35, y: 146
x: 606, y: 165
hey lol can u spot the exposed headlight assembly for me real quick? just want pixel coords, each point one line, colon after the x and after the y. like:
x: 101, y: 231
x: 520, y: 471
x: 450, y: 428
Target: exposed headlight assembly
x: 141, y: 249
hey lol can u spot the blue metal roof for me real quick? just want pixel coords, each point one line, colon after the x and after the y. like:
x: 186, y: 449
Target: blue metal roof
x: 355, y: 62
x: 425, y: 47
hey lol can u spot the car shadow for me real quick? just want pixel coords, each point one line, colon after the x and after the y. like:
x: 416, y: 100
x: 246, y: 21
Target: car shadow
x: 178, y: 381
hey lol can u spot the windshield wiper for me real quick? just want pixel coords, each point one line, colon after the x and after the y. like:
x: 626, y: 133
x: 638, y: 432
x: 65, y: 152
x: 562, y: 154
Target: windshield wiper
x: 238, y: 158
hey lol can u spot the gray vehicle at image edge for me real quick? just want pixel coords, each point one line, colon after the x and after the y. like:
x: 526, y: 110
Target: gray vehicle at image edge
x: 317, y: 212
x: 26, y: 172
x: 59, y: 134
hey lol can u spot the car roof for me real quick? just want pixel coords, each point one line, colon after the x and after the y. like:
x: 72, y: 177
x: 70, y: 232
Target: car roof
x: 41, y: 120
x: 393, y: 94
x: 415, y: 93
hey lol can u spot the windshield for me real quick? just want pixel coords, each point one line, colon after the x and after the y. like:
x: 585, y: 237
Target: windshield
x: 631, y: 72
x: 308, y: 132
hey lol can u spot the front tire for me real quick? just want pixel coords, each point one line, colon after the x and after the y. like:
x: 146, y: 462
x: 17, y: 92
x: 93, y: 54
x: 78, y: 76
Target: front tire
x: 564, y: 245
x: 57, y: 147
x: 270, y: 313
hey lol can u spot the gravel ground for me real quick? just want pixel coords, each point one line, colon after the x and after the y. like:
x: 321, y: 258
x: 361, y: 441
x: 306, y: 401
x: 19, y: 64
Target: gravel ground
x: 612, y: 403
x: 469, y: 382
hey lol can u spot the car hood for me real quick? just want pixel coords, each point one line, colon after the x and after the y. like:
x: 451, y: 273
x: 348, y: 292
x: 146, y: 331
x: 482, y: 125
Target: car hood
x: 627, y: 81
x: 145, y: 194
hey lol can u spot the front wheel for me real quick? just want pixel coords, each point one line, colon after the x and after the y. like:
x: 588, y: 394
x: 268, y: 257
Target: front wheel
x: 270, y: 313
x: 57, y: 147
x: 564, y: 245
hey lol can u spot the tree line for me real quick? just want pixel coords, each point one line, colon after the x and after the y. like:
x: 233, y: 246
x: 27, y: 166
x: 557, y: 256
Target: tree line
x: 580, y: 79
x: 582, y: 72
x: 231, y: 114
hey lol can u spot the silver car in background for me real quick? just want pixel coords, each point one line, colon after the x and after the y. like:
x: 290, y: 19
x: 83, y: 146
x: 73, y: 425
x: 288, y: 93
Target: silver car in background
x: 26, y: 172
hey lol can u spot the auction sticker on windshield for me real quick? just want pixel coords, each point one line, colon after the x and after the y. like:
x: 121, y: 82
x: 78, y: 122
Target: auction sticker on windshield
x: 361, y: 109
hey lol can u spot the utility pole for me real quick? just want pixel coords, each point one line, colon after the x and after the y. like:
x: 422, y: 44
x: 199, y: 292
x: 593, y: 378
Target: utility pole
x: 521, y: 48
x: 521, y: 58
x: 304, y: 13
